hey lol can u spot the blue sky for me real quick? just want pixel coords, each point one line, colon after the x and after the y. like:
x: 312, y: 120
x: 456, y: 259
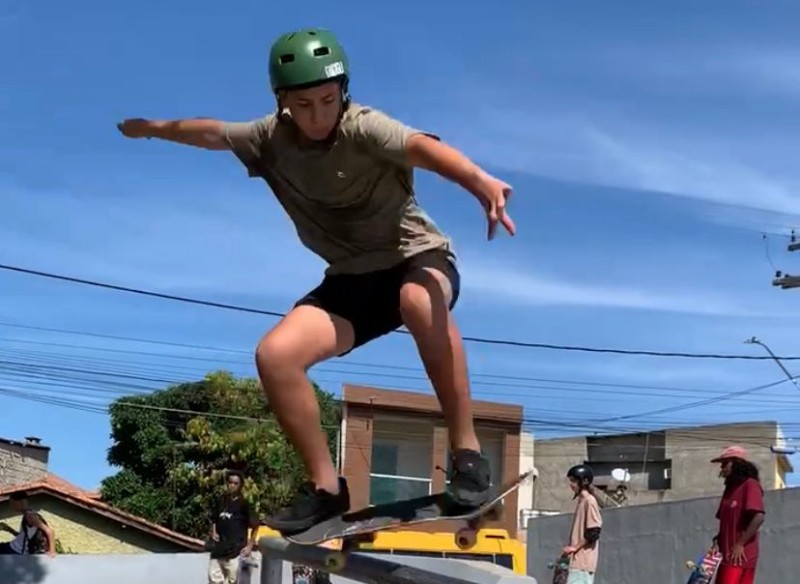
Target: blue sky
x: 649, y: 148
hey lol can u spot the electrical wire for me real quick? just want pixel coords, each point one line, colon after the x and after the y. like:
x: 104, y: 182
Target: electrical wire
x: 474, y: 339
x: 80, y: 382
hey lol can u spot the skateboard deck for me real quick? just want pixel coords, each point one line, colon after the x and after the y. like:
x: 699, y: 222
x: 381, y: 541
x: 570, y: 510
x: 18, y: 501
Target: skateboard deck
x: 560, y: 569
x: 705, y: 568
x: 355, y: 524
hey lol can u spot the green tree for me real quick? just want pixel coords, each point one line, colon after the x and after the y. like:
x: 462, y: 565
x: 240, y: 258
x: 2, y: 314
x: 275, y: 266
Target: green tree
x: 173, y: 446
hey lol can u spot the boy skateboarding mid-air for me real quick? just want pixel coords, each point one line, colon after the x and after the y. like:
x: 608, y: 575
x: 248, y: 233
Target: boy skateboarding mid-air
x: 343, y: 172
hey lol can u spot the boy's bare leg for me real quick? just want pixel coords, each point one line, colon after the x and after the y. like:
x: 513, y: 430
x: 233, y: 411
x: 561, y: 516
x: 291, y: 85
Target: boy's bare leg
x: 304, y: 337
x: 424, y: 303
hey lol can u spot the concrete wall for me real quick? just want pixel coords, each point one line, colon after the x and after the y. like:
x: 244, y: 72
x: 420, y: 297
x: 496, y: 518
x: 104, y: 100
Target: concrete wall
x: 688, y: 449
x: 190, y: 568
x: 22, y: 463
x: 553, y: 458
x: 651, y: 543
x: 691, y: 450
x: 85, y: 532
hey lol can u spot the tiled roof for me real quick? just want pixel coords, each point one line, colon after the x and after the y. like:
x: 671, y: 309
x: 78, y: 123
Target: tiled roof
x: 90, y: 500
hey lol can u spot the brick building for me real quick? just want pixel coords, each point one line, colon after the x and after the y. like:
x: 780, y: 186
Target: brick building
x: 395, y: 445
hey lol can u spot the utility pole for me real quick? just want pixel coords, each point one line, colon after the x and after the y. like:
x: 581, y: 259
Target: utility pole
x: 792, y: 378
x: 786, y: 281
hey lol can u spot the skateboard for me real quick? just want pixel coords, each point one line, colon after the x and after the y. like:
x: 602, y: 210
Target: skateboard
x: 356, y: 526
x: 560, y: 569
x: 705, y: 568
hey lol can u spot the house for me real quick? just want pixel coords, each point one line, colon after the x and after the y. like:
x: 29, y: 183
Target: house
x: 665, y: 465
x: 83, y: 523
x: 394, y: 445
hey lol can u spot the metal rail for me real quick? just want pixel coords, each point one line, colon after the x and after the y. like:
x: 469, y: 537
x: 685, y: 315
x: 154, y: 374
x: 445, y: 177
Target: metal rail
x: 369, y: 569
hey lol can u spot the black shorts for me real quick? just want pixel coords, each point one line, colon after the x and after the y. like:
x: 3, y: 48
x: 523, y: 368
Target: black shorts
x: 371, y: 301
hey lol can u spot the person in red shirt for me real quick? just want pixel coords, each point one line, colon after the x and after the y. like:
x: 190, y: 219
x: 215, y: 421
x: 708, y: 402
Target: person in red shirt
x: 740, y: 514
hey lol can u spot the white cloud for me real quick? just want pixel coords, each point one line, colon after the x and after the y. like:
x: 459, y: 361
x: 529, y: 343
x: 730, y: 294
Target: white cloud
x: 210, y: 245
x: 703, y: 68
x: 775, y: 69
x: 515, y: 285
x: 641, y: 164
x: 742, y: 159
x: 641, y: 157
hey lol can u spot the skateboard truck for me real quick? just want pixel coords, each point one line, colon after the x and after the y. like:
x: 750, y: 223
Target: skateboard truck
x: 466, y: 537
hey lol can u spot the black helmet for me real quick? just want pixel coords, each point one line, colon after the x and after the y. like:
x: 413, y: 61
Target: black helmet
x: 582, y: 473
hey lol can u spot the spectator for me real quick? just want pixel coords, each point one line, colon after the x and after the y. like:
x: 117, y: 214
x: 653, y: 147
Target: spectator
x: 34, y: 535
x: 230, y: 519
x: 583, y: 548
x: 740, y: 515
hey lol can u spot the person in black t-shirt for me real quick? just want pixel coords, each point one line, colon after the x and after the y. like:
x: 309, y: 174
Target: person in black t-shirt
x: 231, y: 517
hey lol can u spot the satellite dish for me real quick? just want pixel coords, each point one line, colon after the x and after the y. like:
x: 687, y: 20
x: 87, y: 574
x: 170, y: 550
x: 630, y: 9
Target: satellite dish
x: 620, y: 474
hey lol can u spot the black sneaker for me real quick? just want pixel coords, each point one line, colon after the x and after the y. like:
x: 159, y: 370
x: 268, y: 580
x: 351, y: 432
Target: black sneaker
x: 470, y: 479
x: 309, y: 507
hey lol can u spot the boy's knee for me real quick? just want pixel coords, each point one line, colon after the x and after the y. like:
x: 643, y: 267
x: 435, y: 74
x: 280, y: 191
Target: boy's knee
x: 275, y: 359
x: 424, y: 291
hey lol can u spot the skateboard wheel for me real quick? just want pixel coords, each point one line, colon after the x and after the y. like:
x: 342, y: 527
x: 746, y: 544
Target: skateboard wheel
x: 334, y: 562
x: 465, y: 538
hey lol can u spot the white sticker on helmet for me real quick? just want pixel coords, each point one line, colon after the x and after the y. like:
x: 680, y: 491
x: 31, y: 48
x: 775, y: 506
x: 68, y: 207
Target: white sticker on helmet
x: 334, y: 69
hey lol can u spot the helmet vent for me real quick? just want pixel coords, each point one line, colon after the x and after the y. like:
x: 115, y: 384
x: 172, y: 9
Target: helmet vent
x: 287, y: 58
x: 321, y: 51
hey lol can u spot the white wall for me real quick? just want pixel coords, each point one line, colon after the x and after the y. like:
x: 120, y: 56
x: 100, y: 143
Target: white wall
x: 525, y: 496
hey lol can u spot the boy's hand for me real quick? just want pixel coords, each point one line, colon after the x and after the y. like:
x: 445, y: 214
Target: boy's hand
x: 135, y: 128
x: 738, y: 557
x: 495, y: 195
x: 569, y: 549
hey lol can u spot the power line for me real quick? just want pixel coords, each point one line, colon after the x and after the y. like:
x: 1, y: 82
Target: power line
x: 53, y: 365
x: 80, y: 382
x: 64, y: 400
x: 474, y: 339
x: 347, y: 361
x: 100, y: 365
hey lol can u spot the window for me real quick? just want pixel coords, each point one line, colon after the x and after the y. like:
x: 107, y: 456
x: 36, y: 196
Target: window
x: 400, y: 465
x: 650, y: 475
x: 627, y: 448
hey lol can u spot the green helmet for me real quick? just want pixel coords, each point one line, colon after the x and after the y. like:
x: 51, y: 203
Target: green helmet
x: 306, y: 57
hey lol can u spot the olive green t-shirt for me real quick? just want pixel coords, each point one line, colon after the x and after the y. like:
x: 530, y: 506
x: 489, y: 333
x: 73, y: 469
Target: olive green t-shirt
x: 352, y: 201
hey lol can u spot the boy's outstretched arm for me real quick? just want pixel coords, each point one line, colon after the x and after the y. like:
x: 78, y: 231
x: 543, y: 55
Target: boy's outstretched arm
x: 431, y: 154
x: 200, y: 132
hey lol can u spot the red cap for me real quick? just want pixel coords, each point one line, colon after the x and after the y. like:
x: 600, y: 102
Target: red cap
x: 731, y: 452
